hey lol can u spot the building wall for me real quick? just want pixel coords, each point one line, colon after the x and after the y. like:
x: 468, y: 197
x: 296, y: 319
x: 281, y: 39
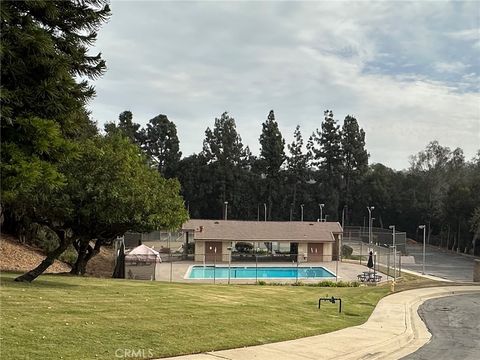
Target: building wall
x: 302, y: 252
x: 327, y: 251
x: 199, y: 251
x: 225, y: 251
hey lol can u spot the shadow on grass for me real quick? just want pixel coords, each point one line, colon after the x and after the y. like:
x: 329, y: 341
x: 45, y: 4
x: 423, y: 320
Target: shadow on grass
x: 7, y: 279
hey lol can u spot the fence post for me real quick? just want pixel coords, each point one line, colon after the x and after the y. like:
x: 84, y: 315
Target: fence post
x: 171, y: 264
x: 256, y: 268
x: 336, y: 271
x: 297, y: 273
x: 388, y: 263
x: 400, y: 265
x: 361, y: 251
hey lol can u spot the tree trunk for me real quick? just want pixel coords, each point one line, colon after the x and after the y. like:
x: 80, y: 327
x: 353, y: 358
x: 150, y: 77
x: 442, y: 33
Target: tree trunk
x: 51, y: 257
x: 85, y: 253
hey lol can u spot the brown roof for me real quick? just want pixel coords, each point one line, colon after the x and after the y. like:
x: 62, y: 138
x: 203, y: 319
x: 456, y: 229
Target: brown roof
x: 234, y: 230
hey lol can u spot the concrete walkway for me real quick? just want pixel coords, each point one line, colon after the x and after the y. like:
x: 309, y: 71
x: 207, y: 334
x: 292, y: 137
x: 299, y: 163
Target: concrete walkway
x: 393, y: 330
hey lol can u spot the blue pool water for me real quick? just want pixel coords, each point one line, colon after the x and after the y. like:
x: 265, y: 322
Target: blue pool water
x: 261, y: 272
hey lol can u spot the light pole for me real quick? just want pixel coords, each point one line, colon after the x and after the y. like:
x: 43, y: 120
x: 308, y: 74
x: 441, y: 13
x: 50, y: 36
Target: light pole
x: 265, y: 208
x: 301, y: 208
x: 321, y: 211
x: 394, y: 253
x: 373, y: 220
x: 343, y: 215
x: 370, y: 209
x: 423, y: 265
x: 226, y: 210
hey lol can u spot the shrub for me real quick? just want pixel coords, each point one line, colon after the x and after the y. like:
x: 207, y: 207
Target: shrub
x: 346, y: 251
x: 69, y: 256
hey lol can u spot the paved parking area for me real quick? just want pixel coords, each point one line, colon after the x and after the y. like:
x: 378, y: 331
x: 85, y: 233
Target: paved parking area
x: 454, y: 322
x: 440, y: 263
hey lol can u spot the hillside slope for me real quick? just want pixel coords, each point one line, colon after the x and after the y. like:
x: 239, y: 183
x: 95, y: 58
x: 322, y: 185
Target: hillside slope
x: 15, y: 256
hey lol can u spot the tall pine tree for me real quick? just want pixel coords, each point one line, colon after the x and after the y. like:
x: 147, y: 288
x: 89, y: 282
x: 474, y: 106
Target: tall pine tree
x: 355, y: 160
x: 325, y: 146
x: 44, y: 51
x: 227, y: 158
x: 272, y: 157
x: 160, y: 142
x: 297, y: 166
x: 127, y: 127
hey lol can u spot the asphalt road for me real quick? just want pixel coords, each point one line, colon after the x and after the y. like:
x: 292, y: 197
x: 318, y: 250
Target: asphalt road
x: 454, y: 322
x: 439, y: 263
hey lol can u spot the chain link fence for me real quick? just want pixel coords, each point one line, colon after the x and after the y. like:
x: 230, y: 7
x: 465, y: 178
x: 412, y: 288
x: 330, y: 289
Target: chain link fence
x: 387, y: 257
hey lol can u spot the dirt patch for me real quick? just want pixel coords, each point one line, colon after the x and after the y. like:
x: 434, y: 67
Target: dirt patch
x: 102, y: 264
x: 15, y: 256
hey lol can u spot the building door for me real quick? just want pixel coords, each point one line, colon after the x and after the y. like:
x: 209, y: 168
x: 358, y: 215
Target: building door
x: 213, y: 251
x: 315, y: 252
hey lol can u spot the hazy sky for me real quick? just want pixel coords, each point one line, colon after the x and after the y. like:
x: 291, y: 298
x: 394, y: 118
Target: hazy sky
x: 408, y: 71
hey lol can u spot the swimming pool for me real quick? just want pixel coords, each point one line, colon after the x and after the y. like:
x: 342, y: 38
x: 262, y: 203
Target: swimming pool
x: 261, y: 272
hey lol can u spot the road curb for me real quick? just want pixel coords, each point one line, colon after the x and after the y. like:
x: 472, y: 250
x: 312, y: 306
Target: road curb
x: 416, y: 333
x: 393, y: 330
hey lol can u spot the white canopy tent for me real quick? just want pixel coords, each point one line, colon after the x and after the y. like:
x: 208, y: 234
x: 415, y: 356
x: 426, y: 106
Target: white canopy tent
x: 141, y: 263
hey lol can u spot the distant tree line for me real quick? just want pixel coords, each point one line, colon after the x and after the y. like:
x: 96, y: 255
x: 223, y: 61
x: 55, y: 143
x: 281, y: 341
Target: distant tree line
x: 440, y: 188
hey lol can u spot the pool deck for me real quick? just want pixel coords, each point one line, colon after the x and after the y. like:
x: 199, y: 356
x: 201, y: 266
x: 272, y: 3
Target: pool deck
x: 176, y: 272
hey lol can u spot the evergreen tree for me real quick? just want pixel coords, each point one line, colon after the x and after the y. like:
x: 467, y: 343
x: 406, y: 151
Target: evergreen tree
x: 127, y: 128
x: 227, y: 159
x: 325, y: 146
x: 272, y: 157
x: 297, y: 165
x: 162, y: 146
x: 45, y: 48
x: 355, y: 159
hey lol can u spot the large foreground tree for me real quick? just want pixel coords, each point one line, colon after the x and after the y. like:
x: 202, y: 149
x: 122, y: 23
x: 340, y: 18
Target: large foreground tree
x: 109, y: 190
x: 44, y: 50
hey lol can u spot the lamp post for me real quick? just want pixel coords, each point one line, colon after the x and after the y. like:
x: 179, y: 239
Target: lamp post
x: 265, y: 208
x: 423, y: 265
x: 321, y: 211
x: 373, y: 220
x: 301, y: 208
x: 370, y: 209
x: 394, y: 253
x: 226, y: 210
x: 343, y: 215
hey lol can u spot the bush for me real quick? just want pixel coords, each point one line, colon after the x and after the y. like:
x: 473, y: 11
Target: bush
x: 328, y: 283
x: 346, y: 251
x: 69, y: 256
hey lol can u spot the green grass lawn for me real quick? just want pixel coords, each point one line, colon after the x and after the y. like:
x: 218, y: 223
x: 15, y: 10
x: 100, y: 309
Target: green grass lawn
x: 67, y: 317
